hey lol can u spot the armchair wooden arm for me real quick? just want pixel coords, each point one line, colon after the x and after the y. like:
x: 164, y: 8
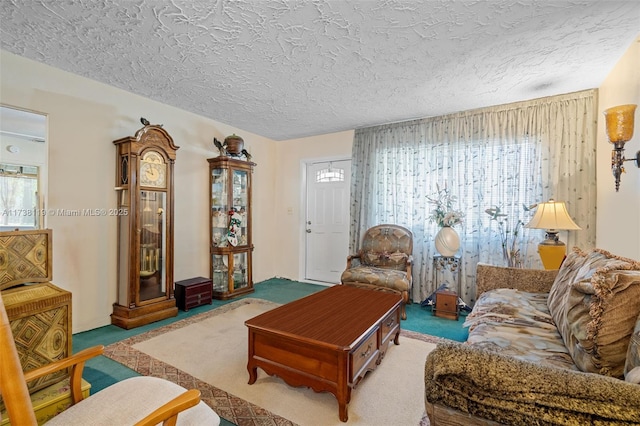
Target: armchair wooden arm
x: 168, y: 413
x: 76, y: 362
x: 409, y: 264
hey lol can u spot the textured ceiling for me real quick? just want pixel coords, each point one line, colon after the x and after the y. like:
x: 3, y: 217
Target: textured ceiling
x: 288, y: 69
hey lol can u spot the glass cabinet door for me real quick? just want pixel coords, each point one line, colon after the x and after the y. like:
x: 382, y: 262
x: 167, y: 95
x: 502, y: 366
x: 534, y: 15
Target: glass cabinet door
x: 220, y: 267
x: 153, y: 222
x: 219, y: 207
x: 240, y: 279
x: 240, y: 202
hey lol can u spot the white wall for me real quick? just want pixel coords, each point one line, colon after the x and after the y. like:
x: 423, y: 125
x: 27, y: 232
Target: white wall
x: 84, y: 117
x: 618, y: 218
x: 289, y: 203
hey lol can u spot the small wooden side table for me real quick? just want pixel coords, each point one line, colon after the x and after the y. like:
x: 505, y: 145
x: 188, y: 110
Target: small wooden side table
x: 446, y: 304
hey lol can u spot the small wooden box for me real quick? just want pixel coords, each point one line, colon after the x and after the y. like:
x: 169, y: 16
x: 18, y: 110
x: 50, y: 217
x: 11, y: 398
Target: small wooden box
x: 193, y: 292
x: 446, y: 304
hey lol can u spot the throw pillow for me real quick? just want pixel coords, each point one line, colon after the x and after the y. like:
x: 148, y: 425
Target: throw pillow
x: 632, y: 365
x: 594, y: 302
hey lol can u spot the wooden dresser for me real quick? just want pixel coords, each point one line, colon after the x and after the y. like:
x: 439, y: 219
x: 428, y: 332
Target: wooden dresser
x: 39, y: 311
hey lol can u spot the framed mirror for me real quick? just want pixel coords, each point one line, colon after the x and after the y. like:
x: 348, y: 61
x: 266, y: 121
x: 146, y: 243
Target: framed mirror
x: 23, y: 165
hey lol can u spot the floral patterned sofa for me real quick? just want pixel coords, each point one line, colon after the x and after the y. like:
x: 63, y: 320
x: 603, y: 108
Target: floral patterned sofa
x: 544, y: 347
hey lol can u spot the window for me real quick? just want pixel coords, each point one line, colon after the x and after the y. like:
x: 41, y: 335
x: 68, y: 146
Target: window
x: 509, y: 173
x: 330, y: 174
x: 18, y: 196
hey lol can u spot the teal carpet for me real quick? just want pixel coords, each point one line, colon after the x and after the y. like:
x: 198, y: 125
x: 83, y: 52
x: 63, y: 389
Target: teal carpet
x: 102, y: 372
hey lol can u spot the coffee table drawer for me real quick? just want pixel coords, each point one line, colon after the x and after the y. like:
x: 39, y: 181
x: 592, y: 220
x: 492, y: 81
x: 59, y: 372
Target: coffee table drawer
x: 362, y: 355
x: 390, y: 325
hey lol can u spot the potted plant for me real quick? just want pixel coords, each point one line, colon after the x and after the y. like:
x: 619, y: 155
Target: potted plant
x: 509, y: 235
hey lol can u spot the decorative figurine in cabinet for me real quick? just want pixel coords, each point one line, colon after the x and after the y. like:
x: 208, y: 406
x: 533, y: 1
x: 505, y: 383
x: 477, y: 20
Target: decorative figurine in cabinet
x: 144, y: 182
x: 230, y: 220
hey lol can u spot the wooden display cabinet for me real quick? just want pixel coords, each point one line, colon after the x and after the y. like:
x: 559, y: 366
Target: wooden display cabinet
x: 144, y: 181
x: 230, y: 231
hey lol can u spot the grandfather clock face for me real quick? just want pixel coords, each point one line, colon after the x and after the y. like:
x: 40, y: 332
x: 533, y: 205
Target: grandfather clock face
x: 153, y: 170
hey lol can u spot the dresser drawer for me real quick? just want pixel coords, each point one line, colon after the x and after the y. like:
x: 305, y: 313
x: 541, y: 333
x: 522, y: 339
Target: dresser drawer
x: 198, y: 299
x: 193, y: 292
x: 362, y: 355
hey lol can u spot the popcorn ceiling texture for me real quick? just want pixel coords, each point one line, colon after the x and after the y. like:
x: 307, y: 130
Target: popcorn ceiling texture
x: 288, y: 69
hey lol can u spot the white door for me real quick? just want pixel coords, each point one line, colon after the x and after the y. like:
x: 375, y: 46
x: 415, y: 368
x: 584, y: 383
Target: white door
x: 327, y: 224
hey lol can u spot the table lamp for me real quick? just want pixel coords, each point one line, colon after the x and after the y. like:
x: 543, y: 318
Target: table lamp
x: 553, y: 217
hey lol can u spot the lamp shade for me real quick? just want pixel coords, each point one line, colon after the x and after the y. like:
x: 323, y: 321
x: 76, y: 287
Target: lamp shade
x: 619, y: 122
x: 552, y: 215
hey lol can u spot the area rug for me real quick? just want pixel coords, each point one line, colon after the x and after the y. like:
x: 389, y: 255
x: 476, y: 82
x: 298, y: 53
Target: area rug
x: 209, y: 352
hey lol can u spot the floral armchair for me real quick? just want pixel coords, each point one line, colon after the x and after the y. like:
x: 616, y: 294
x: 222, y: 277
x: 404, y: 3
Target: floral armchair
x: 383, y: 262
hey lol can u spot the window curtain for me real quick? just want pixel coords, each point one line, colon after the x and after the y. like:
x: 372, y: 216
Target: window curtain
x: 509, y: 156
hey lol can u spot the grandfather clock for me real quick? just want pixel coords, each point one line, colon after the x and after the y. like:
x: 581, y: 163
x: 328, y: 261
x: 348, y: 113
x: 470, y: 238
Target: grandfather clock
x: 144, y: 182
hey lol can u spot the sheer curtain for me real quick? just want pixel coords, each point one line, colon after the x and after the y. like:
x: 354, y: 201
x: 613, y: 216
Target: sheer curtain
x: 507, y: 156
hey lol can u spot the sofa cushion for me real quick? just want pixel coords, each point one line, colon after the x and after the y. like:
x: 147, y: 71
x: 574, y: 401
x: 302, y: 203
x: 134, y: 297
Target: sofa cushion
x: 632, y: 364
x: 594, y: 302
x: 518, y: 324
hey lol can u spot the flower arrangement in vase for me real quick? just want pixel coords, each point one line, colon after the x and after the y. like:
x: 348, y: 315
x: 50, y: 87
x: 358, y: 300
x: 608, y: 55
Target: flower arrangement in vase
x: 444, y: 214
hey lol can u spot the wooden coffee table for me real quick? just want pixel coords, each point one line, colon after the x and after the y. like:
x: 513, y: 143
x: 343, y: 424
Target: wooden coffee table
x: 326, y: 341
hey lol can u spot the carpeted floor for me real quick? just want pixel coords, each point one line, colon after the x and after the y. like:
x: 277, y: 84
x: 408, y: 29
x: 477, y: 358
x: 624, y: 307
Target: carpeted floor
x: 215, y: 366
x: 103, y: 371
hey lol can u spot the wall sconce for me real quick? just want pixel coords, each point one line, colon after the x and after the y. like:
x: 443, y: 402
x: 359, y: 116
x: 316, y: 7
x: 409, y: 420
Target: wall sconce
x: 553, y: 217
x: 619, y: 131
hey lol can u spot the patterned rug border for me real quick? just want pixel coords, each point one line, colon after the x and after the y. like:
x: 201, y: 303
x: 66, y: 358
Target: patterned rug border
x: 226, y: 405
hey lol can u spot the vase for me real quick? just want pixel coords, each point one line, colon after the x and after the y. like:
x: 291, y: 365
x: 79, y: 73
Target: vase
x: 447, y: 241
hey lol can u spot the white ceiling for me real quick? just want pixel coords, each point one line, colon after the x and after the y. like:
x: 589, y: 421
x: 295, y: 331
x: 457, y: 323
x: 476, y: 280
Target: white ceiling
x: 288, y: 69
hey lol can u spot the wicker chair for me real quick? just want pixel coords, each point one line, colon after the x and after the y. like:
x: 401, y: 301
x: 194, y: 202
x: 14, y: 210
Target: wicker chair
x: 383, y: 262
